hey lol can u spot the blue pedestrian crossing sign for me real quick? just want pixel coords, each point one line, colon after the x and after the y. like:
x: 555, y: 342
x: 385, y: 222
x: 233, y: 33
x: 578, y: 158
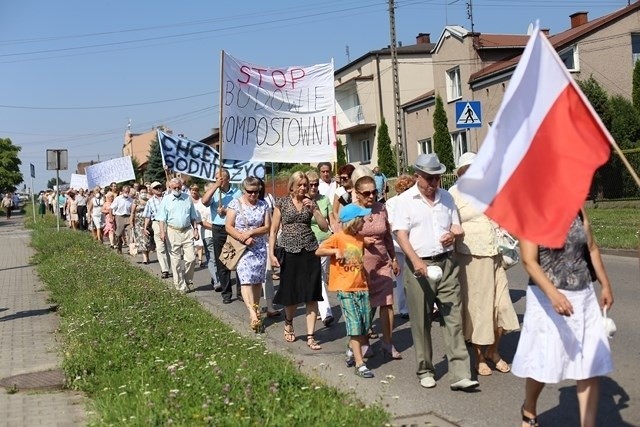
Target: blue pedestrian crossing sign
x: 468, y: 114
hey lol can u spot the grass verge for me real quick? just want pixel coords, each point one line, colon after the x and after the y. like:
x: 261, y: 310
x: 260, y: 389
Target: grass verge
x: 615, y: 228
x: 147, y: 356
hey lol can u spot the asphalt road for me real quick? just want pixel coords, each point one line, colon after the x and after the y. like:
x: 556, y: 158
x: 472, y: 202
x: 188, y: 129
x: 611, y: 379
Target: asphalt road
x: 497, y: 402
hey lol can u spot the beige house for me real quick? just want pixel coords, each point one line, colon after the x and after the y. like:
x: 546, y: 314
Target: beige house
x: 138, y: 145
x: 364, y: 95
x: 478, y: 67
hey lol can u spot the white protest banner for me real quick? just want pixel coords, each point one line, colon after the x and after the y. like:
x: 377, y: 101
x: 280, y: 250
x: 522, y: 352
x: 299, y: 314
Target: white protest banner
x: 197, y: 159
x: 78, y: 181
x: 284, y: 115
x: 115, y: 170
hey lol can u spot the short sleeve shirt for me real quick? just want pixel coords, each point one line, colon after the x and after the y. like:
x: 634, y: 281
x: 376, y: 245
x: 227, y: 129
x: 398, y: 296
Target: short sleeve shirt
x: 296, y: 234
x: 425, y: 222
x: 346, y: 274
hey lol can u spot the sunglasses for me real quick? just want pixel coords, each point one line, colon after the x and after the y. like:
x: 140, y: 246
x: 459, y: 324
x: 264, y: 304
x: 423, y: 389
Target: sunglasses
x: 251, y: 191
x: 368, y: 193
x: 430, y: 178
x: 314, y: 184
x: 343, y: 177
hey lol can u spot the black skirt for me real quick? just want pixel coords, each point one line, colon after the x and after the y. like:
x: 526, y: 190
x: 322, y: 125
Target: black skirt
x: 300, y: 279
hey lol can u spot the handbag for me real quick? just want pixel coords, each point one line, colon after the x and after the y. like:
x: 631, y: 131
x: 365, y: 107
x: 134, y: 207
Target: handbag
x: 232, y: 250
x: 133, y: 247
x: 279, y: 252
x: 507, y: 247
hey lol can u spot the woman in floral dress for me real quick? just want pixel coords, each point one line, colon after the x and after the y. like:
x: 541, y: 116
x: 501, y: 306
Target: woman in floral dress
x: 249, y: 222
x: 140, y: 235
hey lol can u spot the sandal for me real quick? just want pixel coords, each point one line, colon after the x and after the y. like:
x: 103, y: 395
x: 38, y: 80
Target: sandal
x: 483, y: 369
x: 372, y: 334
x: 289, y: 333
x: 500, y: 365
x: 532, y: 421
x: 312, y: 343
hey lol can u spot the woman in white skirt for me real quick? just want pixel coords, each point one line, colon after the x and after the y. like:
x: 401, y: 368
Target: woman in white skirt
x: 561, y: 308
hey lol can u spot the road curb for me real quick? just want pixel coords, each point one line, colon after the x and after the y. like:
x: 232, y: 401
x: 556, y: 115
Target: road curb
x: 628, y: 253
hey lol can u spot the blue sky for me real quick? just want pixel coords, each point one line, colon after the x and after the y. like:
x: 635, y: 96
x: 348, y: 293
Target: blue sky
x: 72, y: 73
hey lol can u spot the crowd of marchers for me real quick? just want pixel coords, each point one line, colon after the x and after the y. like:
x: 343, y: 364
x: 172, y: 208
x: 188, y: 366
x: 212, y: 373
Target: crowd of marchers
x: 426, y: 254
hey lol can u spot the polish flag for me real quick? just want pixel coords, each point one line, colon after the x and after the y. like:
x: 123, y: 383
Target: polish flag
x: 534, y: 168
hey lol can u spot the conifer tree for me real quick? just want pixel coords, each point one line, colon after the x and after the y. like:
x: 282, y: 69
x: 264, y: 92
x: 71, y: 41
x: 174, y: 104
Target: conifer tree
x: 386, y: 159
x: 155, y: 170
x: 341, y: 156
x: 635, y: 88
x: 441, y: 136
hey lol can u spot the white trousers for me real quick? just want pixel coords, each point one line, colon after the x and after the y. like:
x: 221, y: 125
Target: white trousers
x: 161, y: 248
x: 324, y: 307
x: 183, y: 256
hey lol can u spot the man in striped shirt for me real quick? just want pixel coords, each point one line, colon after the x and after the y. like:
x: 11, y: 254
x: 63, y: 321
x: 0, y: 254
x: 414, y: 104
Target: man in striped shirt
x: 150, y: 211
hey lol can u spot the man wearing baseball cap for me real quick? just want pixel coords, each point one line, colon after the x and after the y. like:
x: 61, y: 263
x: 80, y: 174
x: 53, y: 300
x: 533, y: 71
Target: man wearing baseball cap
x: 150, y: 213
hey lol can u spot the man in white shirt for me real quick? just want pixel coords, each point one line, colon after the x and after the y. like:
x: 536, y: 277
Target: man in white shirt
x: 121, y: 211
x: 426, y: 223
x: 327, y: 186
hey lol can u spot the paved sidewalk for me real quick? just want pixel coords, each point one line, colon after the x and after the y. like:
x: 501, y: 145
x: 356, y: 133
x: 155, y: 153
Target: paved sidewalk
x: 27, y: 340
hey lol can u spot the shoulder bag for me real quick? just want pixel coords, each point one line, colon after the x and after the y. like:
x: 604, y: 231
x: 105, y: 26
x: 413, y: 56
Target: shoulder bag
x: 507, y: 247
x: 232, y: 249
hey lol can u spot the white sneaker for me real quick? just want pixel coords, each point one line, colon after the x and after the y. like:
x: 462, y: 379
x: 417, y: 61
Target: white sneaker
x: 464, y: 384
x: 428, y: 382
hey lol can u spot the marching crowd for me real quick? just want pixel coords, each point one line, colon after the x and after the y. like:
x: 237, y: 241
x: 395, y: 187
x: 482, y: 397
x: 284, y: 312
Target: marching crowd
x: 425, y: 251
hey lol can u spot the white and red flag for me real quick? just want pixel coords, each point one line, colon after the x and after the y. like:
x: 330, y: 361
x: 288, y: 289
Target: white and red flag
x: 534, y: 169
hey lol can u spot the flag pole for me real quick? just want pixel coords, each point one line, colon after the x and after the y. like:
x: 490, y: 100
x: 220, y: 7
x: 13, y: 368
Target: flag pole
x: 625, y: 162
x: 221, y: 103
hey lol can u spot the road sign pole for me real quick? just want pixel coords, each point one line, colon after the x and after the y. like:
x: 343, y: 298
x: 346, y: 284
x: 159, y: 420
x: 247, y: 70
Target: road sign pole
x: 33, y: 202
x: 58, y: 197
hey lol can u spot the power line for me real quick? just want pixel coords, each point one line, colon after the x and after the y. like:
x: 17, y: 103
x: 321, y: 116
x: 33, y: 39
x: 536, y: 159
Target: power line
x: 102, y: 107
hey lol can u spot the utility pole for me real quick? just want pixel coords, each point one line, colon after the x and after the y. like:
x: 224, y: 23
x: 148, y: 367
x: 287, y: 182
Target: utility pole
x: 401, y: 161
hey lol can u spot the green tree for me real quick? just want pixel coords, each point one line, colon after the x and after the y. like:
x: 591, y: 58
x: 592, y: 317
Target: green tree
x: 609, y: 173
x: 137, y: 170
x: 52, y: 182
x: 386, y: 159
x: 155, y: 170
x: 635, y: 90
x: 10, y: 175
x: 625, y: 129
x: 598, y: 98
x: 341, y: 156
x: 441, y: 136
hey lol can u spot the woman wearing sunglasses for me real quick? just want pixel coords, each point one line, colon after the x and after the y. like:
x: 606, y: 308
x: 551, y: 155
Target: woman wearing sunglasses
x: 248, y: 221
x: 379, y: 258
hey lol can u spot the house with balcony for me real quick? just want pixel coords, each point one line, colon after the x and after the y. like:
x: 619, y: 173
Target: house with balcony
x: 478, y: 67
x: 364, y: 95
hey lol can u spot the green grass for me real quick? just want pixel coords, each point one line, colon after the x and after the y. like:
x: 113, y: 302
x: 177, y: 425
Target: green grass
x: 615, y: 228
x: 147, y: 356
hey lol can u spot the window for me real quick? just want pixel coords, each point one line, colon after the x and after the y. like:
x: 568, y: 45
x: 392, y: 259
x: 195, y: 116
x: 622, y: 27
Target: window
x: 570, y: 58
x: 425, y: 146
x: 460, y: 145
x: 454, y: 87
x: 365, y: 151
x: 635, y: 48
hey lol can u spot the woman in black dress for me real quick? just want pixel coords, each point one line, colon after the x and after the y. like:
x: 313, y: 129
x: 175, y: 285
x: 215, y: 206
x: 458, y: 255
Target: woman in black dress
x: 300, y: 271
